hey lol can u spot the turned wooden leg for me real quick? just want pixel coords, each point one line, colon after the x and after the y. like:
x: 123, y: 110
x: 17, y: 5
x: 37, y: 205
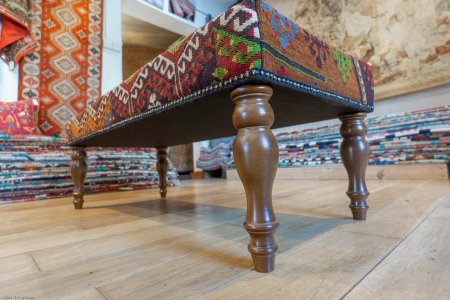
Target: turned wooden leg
x: 162, y: 165
x: 355, y: 155
x: 79, y: 170
x: 255, y: 153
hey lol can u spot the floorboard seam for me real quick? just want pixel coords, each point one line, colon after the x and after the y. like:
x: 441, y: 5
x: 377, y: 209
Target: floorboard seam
x: 438, y: 204
x: 35, y: 263
x: 100, y: 292
x: 371, y: 234
x: 224, y: 284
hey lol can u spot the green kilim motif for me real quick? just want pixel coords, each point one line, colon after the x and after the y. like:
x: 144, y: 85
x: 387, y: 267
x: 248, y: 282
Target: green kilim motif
x: 220, y: 73
x: 344, y: 64
x: 254, y: 48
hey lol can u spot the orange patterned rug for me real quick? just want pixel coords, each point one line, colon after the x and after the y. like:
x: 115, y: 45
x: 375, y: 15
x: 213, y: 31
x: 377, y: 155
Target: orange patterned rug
x: 64, y: 73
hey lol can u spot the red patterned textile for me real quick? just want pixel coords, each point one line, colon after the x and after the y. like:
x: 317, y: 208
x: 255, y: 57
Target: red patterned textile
x: 250, y: 41
x: 18, y: 118
x: 65, y: 71
x: 15, y: 39
x: 292, y: 52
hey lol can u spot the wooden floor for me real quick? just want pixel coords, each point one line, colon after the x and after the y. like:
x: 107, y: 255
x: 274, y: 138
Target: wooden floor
x: 129, y: 245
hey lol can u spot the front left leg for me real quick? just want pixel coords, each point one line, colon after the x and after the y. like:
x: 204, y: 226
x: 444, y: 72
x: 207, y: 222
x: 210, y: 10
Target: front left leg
x: 162, y: 165
x: 78, y: 170
x: 255, y: 153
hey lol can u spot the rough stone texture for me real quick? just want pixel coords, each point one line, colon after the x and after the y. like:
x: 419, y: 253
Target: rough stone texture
x: 406, y: 41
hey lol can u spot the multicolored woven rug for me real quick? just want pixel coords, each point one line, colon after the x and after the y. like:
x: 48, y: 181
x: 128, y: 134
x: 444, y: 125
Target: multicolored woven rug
x: 418, y: 137
x: 65, y: 71
x: 36, y: 167
x: 217, y: 156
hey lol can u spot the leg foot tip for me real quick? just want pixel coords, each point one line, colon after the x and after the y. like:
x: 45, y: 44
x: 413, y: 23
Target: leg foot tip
x: 359, y: 214
x: 264, y: 264
x: 78, y: 205
x: 163, y: 194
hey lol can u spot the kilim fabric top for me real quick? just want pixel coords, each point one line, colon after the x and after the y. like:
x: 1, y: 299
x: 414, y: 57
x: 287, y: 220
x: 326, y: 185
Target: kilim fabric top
x: 250, y: 40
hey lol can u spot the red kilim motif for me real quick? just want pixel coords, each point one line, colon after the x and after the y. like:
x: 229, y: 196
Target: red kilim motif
x: 251, y: 40
x: 64, y: 73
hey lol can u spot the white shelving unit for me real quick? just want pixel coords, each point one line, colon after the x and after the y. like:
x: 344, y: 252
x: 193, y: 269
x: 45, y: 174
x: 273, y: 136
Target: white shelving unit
x: 146, y: 12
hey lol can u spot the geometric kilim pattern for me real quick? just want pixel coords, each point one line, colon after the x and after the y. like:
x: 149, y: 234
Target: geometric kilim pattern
x: 292, y: 52
x: 249, y: 39
x: 64, y: 73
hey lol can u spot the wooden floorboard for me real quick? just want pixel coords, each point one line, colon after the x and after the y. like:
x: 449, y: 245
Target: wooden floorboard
x: 419, y: 268
x: 374, y: 172
x: 130, y: 245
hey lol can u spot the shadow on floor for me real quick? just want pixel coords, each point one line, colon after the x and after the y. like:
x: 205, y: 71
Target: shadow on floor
x: 226, y: 222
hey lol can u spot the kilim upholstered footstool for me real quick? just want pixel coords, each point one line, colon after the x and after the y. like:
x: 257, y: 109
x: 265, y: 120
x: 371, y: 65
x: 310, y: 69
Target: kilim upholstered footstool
x: 252, y: 54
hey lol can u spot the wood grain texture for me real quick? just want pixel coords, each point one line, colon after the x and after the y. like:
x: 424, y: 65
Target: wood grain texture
x: 419, y: 268
x: 373, y: 172
x: 17, y: 265
x: 162, y: 165
x: 355, y: 152
x: 324, y: 268
x: 131, y: 245
x: 255, y: 152
x: 78, y: 171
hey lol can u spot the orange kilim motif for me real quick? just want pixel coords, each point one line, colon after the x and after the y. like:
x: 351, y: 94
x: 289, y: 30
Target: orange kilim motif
x: 64, y: 73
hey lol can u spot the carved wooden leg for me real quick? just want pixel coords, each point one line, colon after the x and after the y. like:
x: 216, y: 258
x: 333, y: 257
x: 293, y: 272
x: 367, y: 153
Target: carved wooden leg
x: 162, y: 165
x: 355, y: 155
x: 255, y: 153
x: 79, y: 170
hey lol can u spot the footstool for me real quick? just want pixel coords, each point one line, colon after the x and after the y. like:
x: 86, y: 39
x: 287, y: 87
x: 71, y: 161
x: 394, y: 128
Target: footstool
x: 253, y: 54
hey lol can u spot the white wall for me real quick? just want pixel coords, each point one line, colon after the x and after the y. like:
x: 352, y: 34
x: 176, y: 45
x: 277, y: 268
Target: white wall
x: 112, y: 55
x: 112, y: 45
x: 434, y: 97
x: 9, y: 83
x: 215, y: 8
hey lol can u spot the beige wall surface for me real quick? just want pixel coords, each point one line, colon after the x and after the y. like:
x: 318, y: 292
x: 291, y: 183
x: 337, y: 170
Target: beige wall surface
x: 134, y: 57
